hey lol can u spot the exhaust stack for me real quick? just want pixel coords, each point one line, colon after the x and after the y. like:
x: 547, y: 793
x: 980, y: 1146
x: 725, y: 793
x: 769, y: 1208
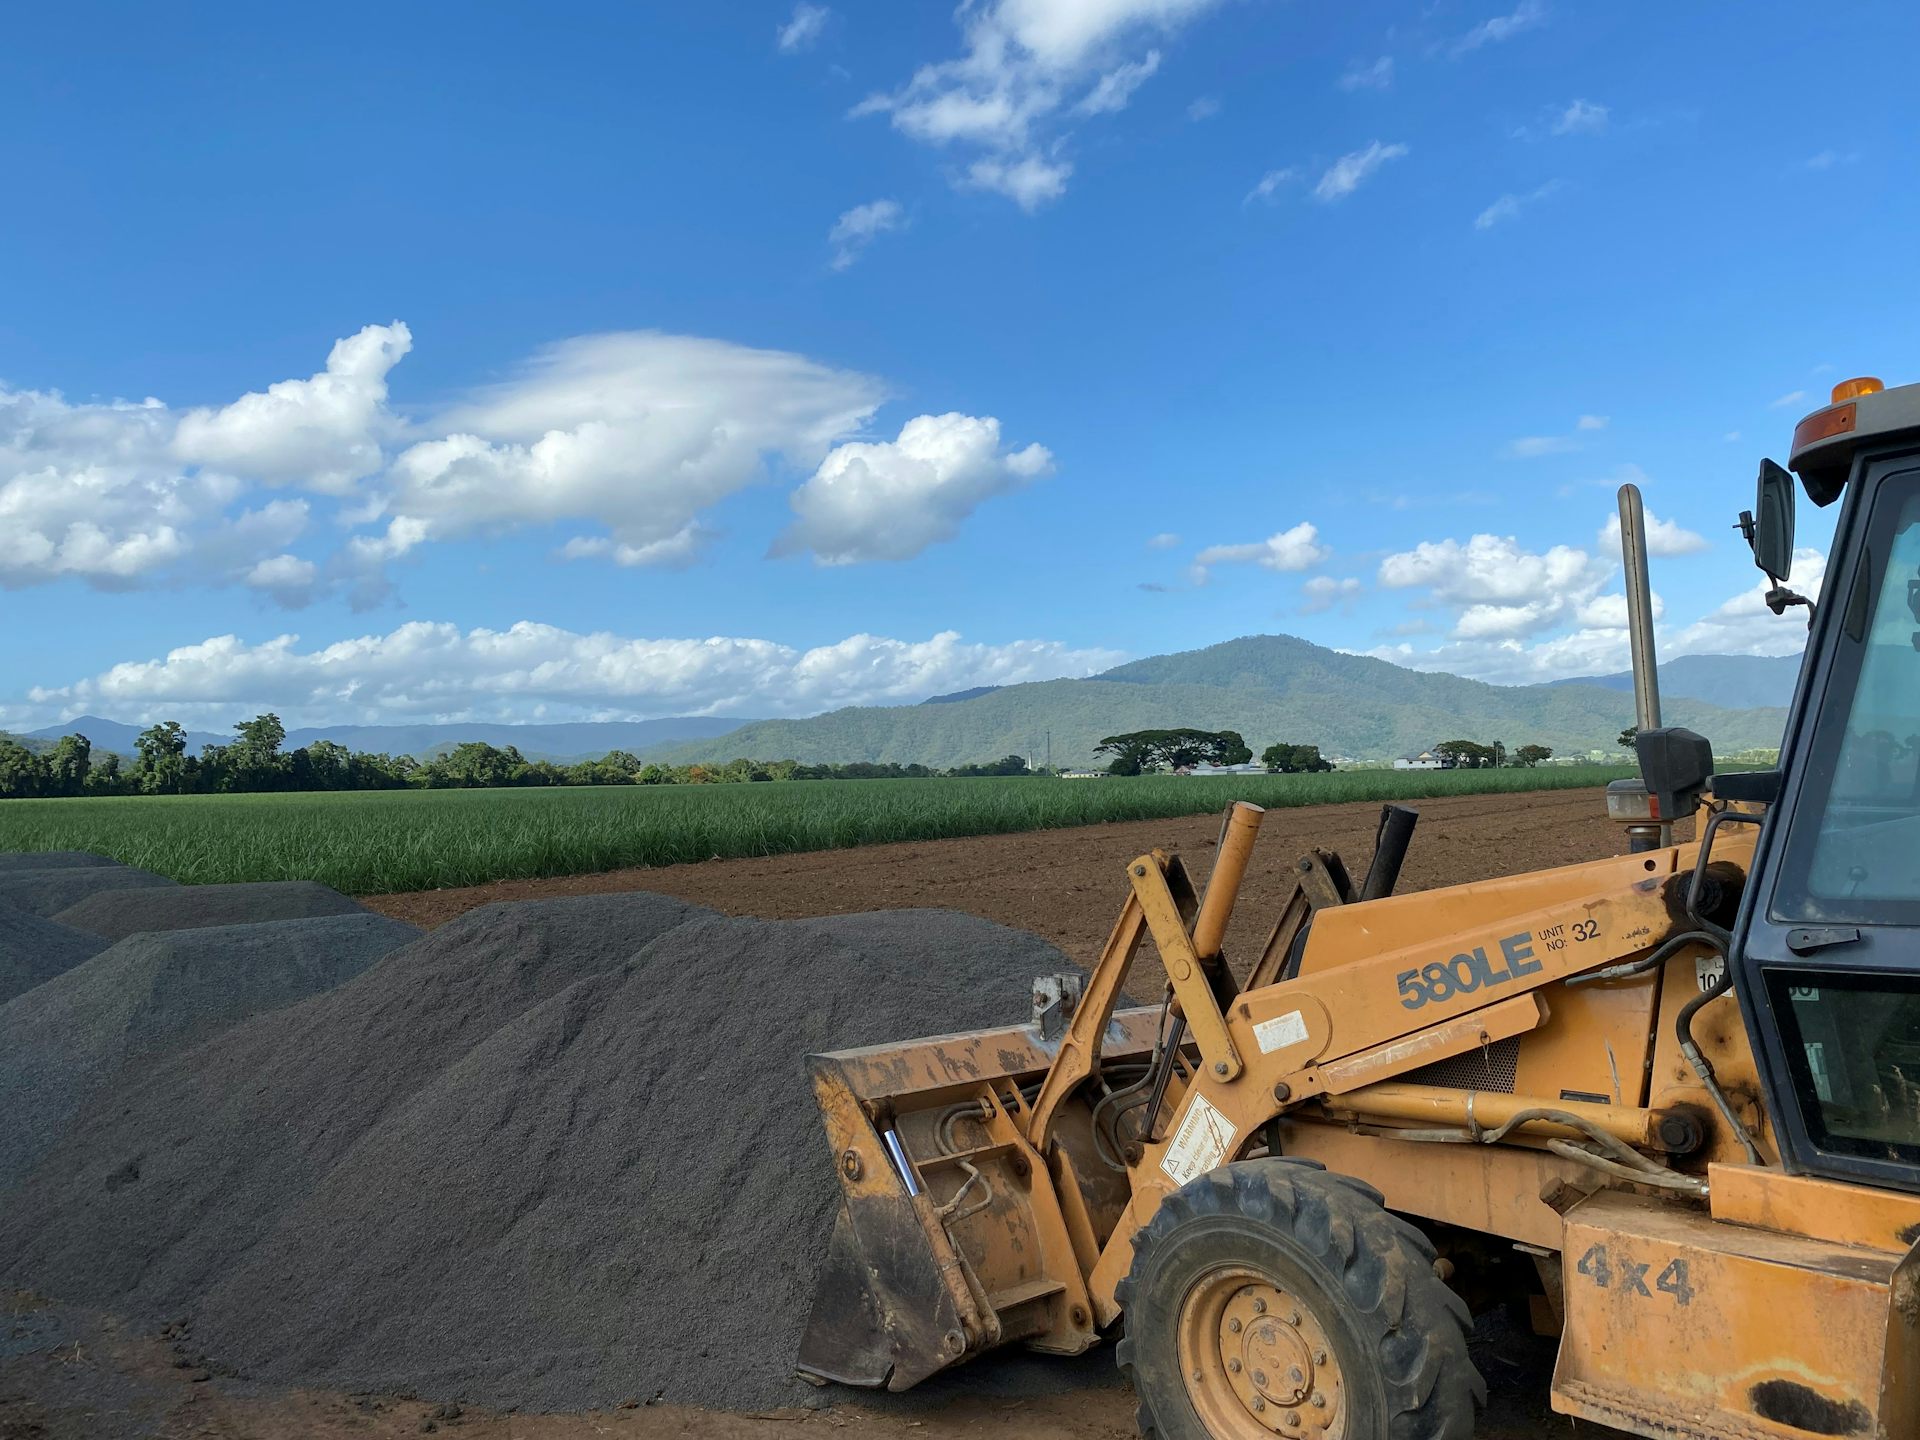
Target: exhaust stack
x: 1646, y: 673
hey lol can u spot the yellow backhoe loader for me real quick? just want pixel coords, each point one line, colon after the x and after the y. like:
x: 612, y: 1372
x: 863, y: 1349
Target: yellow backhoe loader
x: 1666, y: 1104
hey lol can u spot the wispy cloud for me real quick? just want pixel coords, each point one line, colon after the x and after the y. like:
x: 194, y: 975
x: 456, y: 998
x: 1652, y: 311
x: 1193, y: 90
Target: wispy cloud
x: 1829, y: 159
x: 1027, y: 70
x: 800, y: 32
x: 1582, y: 117
x: 860, y: 227
x: 1792, y: 397
x: 1508, y: 207
x: 1528, y: 15
x: 1165, y: 540
x: 1350, y: 172
x: 1270, y: 184
x: 1115, y: 88
x: 1368, y: 74
x: 1592, y: 422
x: 1205, y: 107
x: 1323, y: 592
x: 1531, y: 447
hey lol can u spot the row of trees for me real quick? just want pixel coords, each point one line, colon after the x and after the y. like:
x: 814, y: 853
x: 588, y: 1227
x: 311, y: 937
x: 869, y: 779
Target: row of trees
x: 1471, y: 755
x: 255, y: 762
x: 1139, y: 752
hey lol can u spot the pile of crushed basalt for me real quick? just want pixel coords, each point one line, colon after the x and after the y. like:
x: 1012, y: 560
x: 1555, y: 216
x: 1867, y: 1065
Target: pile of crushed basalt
x: 554, y: 1155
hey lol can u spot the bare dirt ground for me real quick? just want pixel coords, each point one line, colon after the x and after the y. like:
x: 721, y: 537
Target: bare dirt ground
x: 67, y: 1374
x: 1067, y: 885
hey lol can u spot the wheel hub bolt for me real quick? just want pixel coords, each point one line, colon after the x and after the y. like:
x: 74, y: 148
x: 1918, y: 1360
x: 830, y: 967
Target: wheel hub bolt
x: 1319, y: 1357
x: 1233, y: 1366
x: 1258, y: 1403
x: 1319, y: 1401
x: 1293, y: 1417
x: 1260, y: 1378
x: 1295, y: 1374
x: 1293, y: 1317
x: 1259, y: 1307
x: 1234, y: 1325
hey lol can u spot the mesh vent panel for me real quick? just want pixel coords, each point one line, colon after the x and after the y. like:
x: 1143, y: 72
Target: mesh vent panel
x: 1491, y: 1068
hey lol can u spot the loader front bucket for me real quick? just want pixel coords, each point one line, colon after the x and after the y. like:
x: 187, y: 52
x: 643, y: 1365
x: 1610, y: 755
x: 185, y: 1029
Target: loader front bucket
x: 955, y: 1233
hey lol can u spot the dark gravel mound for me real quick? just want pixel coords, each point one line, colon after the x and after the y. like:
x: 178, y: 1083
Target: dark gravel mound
x: 155, y: 993
x: 117, y: 914
x: 623, y: 1193
x: 53, y: 860
x: 34, y: 950
x: 168, y: 1178
x: 48, y: 892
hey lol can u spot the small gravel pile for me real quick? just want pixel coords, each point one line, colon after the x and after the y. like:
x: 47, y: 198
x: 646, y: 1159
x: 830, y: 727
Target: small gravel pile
x: 166, y: 1179
x: 33, y: 950
x: 47, y: 890
x: 53, y: 860
x: 117, y: 914
x: 555, y: 1181
x: 155, y: 993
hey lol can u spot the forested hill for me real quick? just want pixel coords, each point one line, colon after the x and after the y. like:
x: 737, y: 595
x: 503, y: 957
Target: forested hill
x: 1268, y: 687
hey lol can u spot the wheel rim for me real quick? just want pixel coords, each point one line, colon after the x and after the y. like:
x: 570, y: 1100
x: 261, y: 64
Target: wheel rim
x: 1257, y: 1361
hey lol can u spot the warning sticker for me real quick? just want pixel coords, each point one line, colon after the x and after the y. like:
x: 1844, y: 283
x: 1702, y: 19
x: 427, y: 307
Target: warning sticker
x: 1280, y: 1032
x: 1201, y: 1142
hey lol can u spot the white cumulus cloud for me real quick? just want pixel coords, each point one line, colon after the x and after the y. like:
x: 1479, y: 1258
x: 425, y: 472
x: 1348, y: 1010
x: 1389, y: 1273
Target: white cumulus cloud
x: 634, y: 433
x: 1286, y: 552
x: 440, y: 671
x: 94, y: 492
x: 891, y: 499
x: 1664, y: 537
x: 322, y: 433
x: 1027, y: 69
x: 1029, y: 181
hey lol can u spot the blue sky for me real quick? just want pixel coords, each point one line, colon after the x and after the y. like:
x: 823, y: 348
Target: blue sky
x: 757, y: 359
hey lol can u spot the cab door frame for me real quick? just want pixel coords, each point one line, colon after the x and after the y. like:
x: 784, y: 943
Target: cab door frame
x: 1772, y: 951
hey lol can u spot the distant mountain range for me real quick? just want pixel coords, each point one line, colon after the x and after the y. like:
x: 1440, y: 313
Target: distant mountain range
x: 561, y: 742
x: 1736, y: 682
x: 1268, y: 687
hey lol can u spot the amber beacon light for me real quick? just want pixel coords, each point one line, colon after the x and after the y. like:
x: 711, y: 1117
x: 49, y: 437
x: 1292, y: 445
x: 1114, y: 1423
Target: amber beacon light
x: 1854, y: 389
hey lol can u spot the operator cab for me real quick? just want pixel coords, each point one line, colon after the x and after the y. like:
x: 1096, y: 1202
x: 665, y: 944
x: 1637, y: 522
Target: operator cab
x: 1826, y: 949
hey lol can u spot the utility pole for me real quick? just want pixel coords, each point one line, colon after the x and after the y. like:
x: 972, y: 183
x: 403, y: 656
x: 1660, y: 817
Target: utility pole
x: 1049, y: 750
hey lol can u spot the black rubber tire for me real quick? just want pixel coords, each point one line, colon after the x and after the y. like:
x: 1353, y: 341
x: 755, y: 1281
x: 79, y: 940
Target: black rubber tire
x: 1398, y: 1331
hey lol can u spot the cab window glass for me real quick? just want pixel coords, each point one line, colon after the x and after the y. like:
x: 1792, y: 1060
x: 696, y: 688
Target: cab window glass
x: 1853, y: 1043
x: 1857, y: 825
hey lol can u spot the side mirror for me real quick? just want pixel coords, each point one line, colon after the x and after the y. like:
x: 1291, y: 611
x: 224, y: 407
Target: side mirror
x: 1676, y: 765
x: 1772, y: 532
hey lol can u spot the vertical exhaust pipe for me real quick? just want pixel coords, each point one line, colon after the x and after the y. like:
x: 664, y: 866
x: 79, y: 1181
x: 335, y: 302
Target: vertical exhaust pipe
x: 1646, y: 673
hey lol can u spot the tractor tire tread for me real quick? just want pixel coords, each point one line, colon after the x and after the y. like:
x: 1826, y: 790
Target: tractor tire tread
x: 1384, y: 1266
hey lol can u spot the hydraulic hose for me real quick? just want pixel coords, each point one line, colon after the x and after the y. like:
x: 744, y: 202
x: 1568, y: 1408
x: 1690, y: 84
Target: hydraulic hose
x: 1703, y: 1067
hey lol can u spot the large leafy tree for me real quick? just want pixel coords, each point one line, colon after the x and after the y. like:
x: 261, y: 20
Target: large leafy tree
x: 22, y: 773
x: 1288, y: 759
x: 163, y: 767
x: 68, y: 764
x: 1140, y: 750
